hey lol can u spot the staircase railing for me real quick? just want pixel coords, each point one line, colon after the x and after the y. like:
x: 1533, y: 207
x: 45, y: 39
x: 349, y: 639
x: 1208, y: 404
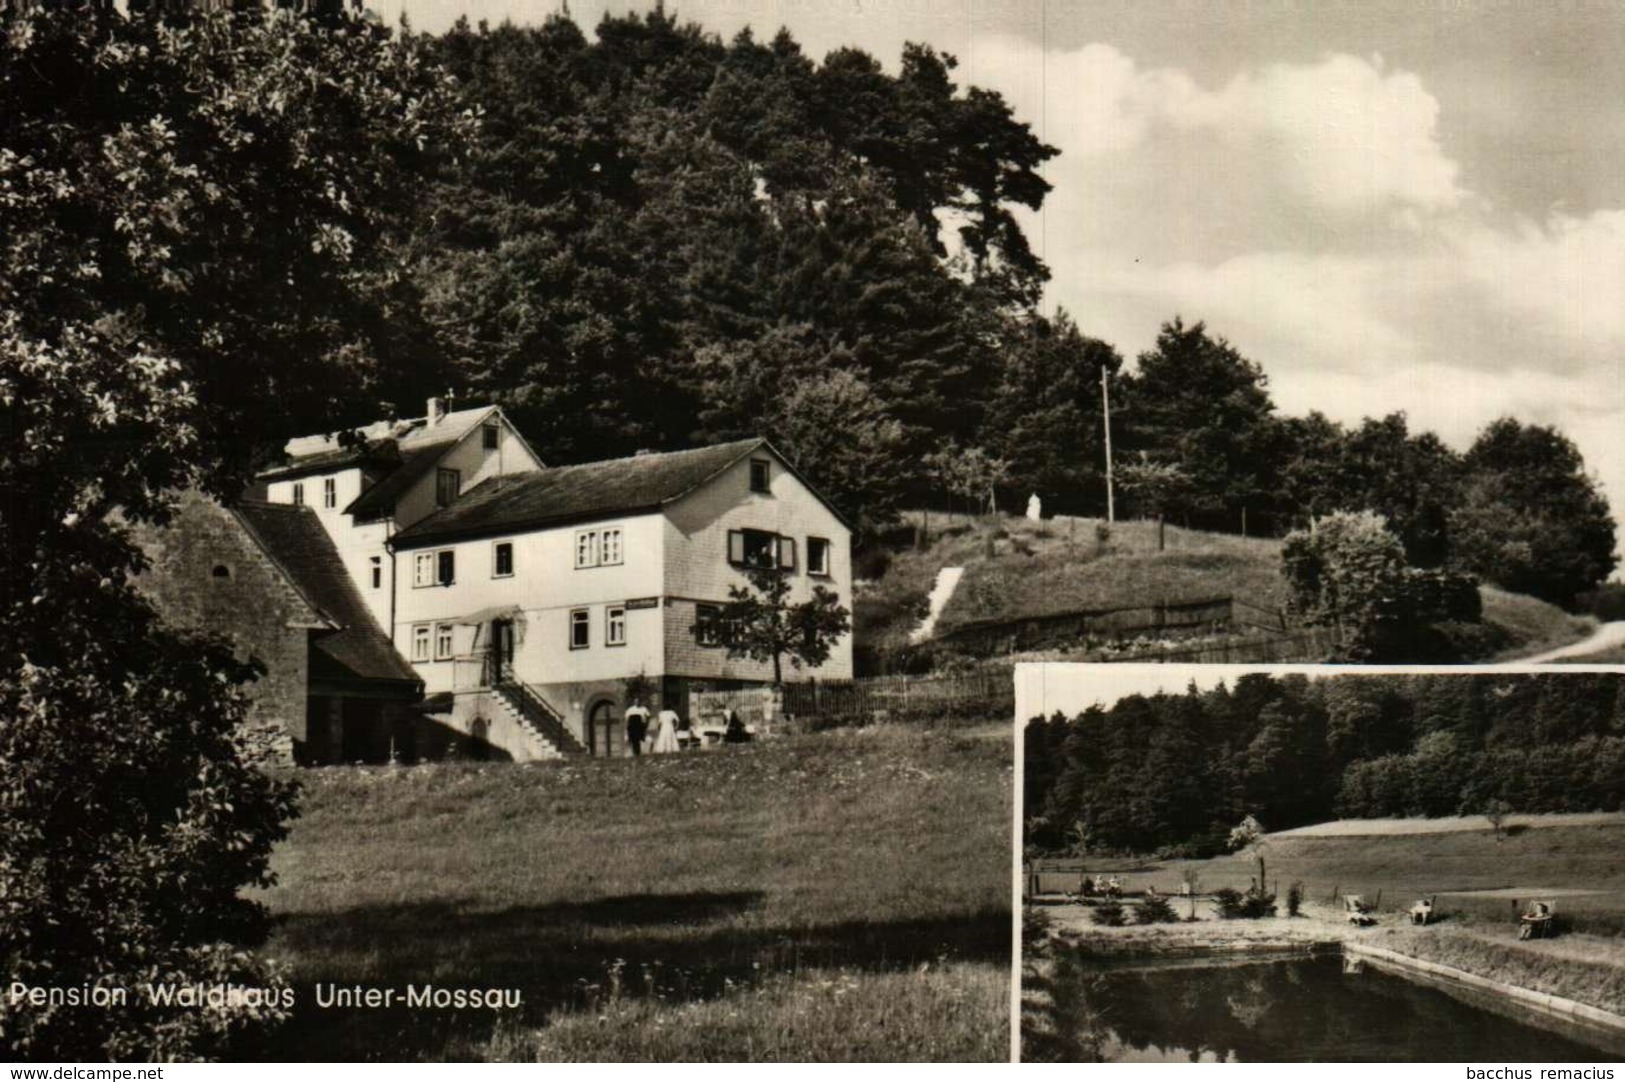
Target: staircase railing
x: 536, y: 710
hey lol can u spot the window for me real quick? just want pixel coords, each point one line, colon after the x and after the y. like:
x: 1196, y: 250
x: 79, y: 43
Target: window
x: 707, y: 631
x: 615, y: 625
x: 434, y: 568
x: 502, y: 559
x: 420, y: 642
x: 580, y: 629
x: 787, y: 554
x: 442, y: 642
x: 818, y: 556
x: 377, y: 572
x: 330, y: 492
x: 299, y: 492
x: 447, y: 484
x: 586, y: 548
x: 221, y: 571
x: 492, y: 434
x: 760, y: 475
x: 756, y: 548
x: 595, y: 548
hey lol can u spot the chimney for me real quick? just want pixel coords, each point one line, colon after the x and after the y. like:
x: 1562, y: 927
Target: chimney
x: 437, y: 410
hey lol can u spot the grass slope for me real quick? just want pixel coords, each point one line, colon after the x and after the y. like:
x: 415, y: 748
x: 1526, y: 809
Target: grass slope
x: 1532, y: 625
x: 1060, y: 565
x: 722, y: 888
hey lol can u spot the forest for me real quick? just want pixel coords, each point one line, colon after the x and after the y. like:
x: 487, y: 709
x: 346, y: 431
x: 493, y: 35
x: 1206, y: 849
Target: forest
x: 654, y: 239
x: 1173, y: 773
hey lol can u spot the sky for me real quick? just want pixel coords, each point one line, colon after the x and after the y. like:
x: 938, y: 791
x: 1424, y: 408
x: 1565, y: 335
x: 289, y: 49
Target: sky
x: 1387, y: 205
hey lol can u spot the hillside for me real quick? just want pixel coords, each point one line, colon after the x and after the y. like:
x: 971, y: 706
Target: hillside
x: 1016, y: 568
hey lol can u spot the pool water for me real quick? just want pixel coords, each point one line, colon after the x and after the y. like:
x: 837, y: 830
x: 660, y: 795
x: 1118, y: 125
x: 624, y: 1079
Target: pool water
x: 1303, y: 1009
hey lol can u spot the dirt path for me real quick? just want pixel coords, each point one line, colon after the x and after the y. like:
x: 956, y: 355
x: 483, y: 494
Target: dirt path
x: 1605, y: 637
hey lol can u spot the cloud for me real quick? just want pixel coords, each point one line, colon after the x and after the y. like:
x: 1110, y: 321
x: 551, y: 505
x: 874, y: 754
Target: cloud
x: 1346, y: 132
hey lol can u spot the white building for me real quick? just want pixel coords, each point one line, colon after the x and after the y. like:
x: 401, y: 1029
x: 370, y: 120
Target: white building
x: 527, y: 597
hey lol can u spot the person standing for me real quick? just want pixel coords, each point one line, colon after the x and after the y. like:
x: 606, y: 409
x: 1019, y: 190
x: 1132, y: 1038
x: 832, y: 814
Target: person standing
x: 637, y: 726
x: 665, y: 739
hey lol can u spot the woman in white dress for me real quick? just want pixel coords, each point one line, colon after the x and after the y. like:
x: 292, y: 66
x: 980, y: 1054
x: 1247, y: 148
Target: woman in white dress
x: 665, y: 738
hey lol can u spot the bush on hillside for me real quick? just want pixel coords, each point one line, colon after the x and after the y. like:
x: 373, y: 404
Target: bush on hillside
x: 1110, y: 914
x: 1232, y: 904
x: 1155, y: 909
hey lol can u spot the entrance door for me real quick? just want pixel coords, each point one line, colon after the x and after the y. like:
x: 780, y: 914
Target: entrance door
x: 501, y: 651
x: 606, y: 735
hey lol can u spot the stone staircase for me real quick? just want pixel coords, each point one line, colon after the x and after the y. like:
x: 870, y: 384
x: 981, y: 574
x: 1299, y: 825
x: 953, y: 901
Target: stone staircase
x: 549, y: 735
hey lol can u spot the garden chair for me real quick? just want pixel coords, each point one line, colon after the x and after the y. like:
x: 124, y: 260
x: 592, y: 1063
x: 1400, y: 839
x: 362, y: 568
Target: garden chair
x: 1357, y: 911
x: 1537, y: 922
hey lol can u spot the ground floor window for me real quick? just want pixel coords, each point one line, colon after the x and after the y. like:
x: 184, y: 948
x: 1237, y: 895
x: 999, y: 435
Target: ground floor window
x: 615, y: 625
x: 442, y: 642
x: 420, y: 642
x: 707, y: 628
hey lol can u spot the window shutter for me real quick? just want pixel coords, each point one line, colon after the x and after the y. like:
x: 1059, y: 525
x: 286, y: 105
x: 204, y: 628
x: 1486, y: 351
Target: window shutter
x: 787, y: 554
x: 736, y: 546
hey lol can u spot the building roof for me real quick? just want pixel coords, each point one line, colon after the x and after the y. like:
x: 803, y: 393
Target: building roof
x: 357, y: 648
x: 564, y: 494
x: 403, y: 450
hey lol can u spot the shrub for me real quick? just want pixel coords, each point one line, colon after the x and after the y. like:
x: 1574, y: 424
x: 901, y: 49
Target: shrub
x: 1109, y: 914
x: 1155, y: 909
x: 1232, y: 904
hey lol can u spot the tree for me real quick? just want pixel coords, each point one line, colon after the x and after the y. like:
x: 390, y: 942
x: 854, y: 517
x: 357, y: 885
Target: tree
x: 1044, y: 414
x: 1249, y: 834
x: 1341, y: 569
x: 760, y: 622
x: 838, y: 431
x: 1197, y: 403
x: 200, y: 253
x: 1496, y: 811
x: 969, y: 473
x: 1530, y: 519
x: 1155, y: 488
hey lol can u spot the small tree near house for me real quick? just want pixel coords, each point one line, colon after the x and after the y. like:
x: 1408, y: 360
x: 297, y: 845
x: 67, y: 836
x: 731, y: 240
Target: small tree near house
x: 761, y: 623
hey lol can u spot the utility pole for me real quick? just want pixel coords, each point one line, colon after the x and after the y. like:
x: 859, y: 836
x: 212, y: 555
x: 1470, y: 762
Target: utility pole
x: 1106, y: 420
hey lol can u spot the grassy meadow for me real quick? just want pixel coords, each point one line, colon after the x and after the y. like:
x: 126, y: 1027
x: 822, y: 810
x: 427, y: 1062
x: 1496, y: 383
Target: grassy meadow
x: 1061, y: 565
x: 1475, y: 873
x: 824, y: 896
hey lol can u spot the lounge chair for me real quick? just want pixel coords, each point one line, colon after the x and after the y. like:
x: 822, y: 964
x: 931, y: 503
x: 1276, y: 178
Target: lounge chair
x: 1537, y: 922
x: 1357, y: 911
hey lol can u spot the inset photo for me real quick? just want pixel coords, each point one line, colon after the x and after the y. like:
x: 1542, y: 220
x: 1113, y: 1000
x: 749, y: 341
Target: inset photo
x: 1290, y: 864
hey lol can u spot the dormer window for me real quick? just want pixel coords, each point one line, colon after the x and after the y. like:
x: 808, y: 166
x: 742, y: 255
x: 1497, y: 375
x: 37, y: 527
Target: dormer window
x: 447, y: 485
x: 761, y: 476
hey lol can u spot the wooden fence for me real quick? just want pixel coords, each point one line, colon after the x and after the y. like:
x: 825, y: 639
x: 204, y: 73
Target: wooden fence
x: 974, y: 696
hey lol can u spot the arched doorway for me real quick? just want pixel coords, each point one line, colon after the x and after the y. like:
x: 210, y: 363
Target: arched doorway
x: 606, y: 733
